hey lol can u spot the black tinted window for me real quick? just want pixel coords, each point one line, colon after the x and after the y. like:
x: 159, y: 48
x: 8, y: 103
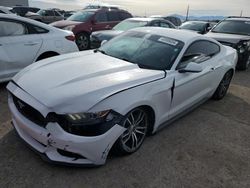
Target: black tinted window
x: 124, y: 15
x: 203, y: 47
x: 32, y: 29
x: 113, y: 16
x: 199, y: 52
x: 101, y: 17
x: 2, y: 12
x: 164, y: 24
x: 233, y: 27
x: 49, y: 13
x: 155, y: 24
x: 57, y: 14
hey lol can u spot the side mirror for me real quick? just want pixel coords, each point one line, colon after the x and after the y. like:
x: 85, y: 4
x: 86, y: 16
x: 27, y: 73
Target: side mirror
x: 103, y: 42
x: 192, y: 68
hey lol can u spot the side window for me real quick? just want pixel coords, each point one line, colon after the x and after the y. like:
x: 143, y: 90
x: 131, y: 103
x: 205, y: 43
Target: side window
x: 49, y: 13
x: 113, y: 16
x: 164, y: 24
x: 101, y: 17
x: 155, y: 24
x: 8, y: 28
x: 199, y: 52
x: 32, y: 29
x: 56, y: 13
x: 124, y: 15
x: 2, y: 12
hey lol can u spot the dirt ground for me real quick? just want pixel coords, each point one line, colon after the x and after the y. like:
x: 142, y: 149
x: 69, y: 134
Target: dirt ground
x: 209, y: 147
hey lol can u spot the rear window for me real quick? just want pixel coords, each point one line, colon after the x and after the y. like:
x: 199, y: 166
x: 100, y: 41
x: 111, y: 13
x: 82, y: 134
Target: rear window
x: 81, y: 16
x: 124, y: 15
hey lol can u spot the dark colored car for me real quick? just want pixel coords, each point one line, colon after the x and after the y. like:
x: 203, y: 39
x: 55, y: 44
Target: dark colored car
x: 22, y: 11
x: 99, y: 36
x: 173, y: 19
x: 84, y: 22
x: 200, y: 27
x: 235, y: 32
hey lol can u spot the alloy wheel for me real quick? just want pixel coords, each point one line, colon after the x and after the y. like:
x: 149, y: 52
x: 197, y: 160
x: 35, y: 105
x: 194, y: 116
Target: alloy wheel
x: 136, y: 124
x: 82, y: 42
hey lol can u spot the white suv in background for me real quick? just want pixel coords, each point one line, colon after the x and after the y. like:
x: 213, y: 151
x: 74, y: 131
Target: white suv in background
x: 24, y: 41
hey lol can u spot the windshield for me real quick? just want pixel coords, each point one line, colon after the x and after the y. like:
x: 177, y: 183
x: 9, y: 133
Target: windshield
x: 196, y: 26
x: 233, y: 27
x: 81, y: 16
x: 148, y: 51
x: 129, y: 24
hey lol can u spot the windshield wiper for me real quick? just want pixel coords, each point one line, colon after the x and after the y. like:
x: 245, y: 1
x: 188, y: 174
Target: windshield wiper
x: 101, y: 51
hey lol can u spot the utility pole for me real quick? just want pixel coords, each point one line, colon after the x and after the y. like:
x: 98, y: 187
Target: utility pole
x: 187, y: 13
x: 241, y: 13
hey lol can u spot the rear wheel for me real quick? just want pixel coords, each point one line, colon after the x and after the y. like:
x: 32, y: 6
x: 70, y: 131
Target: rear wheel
x: 221, y: 91
x: 136, y: 123
x: 83, y: 41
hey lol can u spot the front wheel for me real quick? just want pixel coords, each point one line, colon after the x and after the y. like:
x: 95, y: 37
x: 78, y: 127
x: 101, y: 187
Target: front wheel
x: 221, y: 91
x: 83, y: 41
x: 136, y: 123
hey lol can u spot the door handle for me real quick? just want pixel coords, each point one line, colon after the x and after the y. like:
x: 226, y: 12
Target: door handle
x: 31, y: 43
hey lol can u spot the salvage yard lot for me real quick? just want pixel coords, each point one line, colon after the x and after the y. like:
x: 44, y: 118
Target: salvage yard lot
x: 209, y: 147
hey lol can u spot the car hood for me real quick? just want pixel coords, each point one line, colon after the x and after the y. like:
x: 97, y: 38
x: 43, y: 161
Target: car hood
x: 76, y: 82
x: 106, y: 34
x: 64, y: 23
x: 227, y: 38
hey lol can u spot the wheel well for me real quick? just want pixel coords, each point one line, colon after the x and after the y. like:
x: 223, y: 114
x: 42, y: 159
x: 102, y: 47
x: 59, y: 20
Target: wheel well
x: 47, y: 55
x: 149, y: 110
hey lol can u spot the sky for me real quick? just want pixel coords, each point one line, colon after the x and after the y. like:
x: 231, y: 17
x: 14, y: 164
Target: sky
x: 159, y: 7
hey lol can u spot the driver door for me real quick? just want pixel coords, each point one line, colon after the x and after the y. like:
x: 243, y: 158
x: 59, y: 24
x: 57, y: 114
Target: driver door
x: 191, y: 88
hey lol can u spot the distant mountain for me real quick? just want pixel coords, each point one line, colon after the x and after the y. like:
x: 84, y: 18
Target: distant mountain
x: 205, y: 18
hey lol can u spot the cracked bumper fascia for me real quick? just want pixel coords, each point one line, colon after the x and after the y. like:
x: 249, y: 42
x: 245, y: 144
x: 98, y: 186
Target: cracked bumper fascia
x: 47, y: 140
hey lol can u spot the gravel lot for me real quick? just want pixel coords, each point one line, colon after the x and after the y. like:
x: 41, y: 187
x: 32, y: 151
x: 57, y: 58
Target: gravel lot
x: 210, y: 147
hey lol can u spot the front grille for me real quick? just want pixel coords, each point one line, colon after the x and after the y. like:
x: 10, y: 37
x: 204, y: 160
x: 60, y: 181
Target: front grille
x: 29, y: 112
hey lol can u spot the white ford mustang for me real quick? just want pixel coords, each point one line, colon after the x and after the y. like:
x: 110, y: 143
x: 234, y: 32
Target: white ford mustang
x: 74, y: 108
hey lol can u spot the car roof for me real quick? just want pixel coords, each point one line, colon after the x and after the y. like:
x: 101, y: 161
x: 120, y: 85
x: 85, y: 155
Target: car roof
x: 22, y: 19
x: 182, y: 35
x: 197, y: 21
x: 239, y: 19
x: 145, y: 19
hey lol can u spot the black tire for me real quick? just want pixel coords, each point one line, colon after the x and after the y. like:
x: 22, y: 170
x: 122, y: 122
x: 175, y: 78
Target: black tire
x: 83, y: 41
x: 244, y: 64
x: 221, y: 90
x: 137, y: 123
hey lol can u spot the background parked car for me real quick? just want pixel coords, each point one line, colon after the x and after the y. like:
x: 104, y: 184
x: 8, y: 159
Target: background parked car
x: 175, y: 20
x: 67, y: 14
x: 22, y: 11
x: 83, y: 23
x: 5, y: 10
x: 200, y: 27
x: 99, y: 36
x: 24, y: 41
x: 235, y: 32
x: 45, y: 16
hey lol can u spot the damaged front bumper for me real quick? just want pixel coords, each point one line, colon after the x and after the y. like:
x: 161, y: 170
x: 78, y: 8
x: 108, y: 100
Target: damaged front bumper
x: 60, y: 147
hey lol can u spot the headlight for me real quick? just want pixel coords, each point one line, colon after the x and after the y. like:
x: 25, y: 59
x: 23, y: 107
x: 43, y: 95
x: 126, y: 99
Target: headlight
x: 242, y: 46
x: 88, y: 124
x: 69, y: 28
x: 87, y: 118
